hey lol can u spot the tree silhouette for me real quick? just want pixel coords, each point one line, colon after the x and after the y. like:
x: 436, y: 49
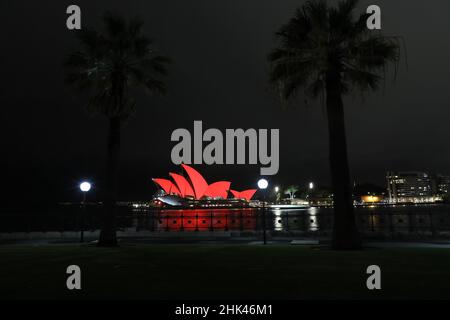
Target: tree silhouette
x: 291, y: 191
x: 108, y: 65
x: 327, y: 52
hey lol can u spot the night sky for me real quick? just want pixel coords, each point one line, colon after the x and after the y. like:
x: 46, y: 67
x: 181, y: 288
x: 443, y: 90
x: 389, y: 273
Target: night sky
x: 219, y: 75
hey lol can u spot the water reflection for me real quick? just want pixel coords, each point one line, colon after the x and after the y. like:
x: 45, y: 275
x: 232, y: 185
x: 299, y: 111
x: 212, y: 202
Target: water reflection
x: 277, y: 220
x: 206, y: 220
x: 371, y: 220
x: 313, y: 223
x: 239, y: 219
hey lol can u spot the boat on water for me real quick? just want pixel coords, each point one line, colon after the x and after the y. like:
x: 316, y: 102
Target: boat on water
x: 288, y: 206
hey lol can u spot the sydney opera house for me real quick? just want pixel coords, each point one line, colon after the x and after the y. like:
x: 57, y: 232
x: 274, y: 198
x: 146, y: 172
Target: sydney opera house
x: 194, y: 191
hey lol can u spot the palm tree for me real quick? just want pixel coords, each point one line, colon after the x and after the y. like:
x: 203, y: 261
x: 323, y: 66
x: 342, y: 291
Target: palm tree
x: 108, y: 66
x: 327, y: 52
x: 291, y: 191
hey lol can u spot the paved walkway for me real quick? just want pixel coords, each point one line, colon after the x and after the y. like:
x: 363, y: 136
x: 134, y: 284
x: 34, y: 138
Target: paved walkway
x: 444, y: 244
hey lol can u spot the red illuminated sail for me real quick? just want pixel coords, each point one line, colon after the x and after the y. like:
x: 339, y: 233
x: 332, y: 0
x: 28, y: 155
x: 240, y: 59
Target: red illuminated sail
x: 183, y: 185
x: 218, y: 189
x: 246, y: 194
x: 167, y: 186
x: 235, y: 193
x: 197, y: 187
x: 198, y: 182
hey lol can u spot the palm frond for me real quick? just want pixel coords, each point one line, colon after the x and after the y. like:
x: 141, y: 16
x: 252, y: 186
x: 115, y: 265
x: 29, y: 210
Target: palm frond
x: 109, y: 64
x: 320, y: 39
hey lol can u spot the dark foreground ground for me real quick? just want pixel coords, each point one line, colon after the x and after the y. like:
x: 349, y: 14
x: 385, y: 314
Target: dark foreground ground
x: 222, y: 272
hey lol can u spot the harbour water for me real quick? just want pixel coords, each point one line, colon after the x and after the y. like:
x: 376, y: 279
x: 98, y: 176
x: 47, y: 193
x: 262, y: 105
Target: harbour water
x: 420, y: 219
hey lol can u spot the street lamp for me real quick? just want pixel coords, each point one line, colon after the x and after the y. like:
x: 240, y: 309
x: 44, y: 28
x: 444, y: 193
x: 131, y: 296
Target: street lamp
x: 263, y: 184
x: 84, y: 187
x: 311, y: 185
x: 277, y: 190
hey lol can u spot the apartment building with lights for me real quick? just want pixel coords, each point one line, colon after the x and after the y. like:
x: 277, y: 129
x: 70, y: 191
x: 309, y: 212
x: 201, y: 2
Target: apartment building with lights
x: 411, y: 187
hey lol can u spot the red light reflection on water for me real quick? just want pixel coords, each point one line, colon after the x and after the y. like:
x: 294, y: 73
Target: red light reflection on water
x: 207, y: 219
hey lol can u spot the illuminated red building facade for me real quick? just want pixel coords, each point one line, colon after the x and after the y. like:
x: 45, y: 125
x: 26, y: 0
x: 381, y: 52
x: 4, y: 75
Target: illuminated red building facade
x: 195, y: 187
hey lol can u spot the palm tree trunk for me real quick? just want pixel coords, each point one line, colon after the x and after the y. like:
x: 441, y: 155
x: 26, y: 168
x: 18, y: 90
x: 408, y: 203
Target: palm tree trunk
x: 345, y: 232
x: 108, y: 231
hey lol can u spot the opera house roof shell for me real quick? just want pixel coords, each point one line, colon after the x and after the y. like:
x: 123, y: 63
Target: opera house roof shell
x: 196, y: 187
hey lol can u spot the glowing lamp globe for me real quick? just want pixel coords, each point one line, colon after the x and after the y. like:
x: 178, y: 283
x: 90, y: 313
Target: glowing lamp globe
x: 85, y: 186
x: 263, y: 184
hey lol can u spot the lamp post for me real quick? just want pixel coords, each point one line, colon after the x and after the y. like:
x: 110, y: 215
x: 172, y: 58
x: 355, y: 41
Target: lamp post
x: 84, y: 187
x: 277, y: 189
x: 310, y: 187
x: 262, y: 185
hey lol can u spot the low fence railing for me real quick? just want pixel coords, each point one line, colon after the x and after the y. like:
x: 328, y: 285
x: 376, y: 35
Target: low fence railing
x: 376, y: 222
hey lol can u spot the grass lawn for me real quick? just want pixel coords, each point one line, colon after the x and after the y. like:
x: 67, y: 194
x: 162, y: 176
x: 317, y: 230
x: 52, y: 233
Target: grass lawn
x: 221, y: 272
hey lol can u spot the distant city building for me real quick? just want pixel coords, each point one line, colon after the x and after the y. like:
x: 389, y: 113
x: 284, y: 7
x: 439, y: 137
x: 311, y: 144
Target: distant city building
x: 368, y: 194
x: 370, y: 199
x: 321, y: 198
x: 443, y: 185
x: 411, y: 187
